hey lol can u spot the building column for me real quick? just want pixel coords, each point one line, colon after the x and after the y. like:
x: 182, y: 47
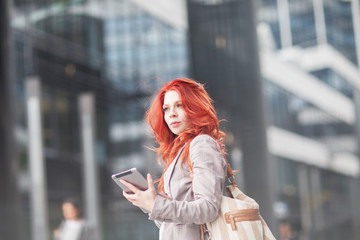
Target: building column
x: 355, y: 199
x: 355, y: 9
x: 306, y: 220
x: 284, y: 23
x: 90, y: 176
x: 224, y: 54
x: 10, y: 201
x: 355, y: 183
x: 38, y: 186
x: 318, y: 224
x: 320, y: 24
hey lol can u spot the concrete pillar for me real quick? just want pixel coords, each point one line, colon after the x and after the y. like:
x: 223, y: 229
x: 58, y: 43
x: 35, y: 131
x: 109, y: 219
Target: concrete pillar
x: 355, y: 10
x: 318, y: 225
x: 225, y: 56
x: 320, y: 24
x: 355, y: 183
x: 90, y: 176
x: 38, y: 186
x: 284, y: 24
x: 10, y: 204
x: 306, y: 220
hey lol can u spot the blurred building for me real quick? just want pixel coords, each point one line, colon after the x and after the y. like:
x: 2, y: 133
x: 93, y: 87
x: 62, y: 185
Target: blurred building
x: 284, y: 73
x: 119, y: 51
x: 311, y: 70
x: 308, y: 59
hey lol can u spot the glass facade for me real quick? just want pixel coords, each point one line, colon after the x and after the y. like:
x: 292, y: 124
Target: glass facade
x: 296, y: 115
x: 309, y: 196
x: 335, y: 81
x: 302, y: 23
x: 291, y: 112
x: 335, y: 193
x: 267, y: 12
x: 339, y: 27
x: 301, y: 20
x: 288, y: 193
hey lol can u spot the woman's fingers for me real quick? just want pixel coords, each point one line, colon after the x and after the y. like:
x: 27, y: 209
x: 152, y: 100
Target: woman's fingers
x: 150, y: 182
x: 144, y: 199
x: 129, y: 196
x: 130, y: 186
x: 151, y: 193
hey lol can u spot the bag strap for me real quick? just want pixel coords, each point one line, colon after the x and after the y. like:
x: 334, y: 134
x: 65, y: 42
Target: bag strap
x: 230, y: 174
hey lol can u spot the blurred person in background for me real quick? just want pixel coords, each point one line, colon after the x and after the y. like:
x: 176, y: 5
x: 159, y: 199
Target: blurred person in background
x: 285, y: 231
x: 192, y: 148
x: 72, y: 227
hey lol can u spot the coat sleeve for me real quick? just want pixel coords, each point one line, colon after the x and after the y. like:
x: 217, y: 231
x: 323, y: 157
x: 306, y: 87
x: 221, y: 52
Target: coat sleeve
x: 209, y: 169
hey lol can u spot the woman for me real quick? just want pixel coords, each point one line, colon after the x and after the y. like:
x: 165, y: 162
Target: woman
x: 191, y: 147
x: 73, y: 227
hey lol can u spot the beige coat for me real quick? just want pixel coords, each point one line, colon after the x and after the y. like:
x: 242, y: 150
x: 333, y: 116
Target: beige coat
x: 193, y: 203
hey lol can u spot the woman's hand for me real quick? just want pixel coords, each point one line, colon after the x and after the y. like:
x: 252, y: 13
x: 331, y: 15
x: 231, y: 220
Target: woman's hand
x: 143, y: 199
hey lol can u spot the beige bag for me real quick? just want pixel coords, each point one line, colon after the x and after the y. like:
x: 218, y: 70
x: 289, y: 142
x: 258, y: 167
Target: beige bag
x: 239, y: 217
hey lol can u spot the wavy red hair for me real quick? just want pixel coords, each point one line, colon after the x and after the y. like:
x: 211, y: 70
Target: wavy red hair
x: 200, y: 113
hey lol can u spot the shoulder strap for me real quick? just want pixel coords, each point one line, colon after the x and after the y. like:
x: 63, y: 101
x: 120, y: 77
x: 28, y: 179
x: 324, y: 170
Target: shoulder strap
x: 230, y: 174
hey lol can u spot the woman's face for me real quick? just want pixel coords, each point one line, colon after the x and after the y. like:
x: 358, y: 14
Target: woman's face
x: 174, y: 114
x: 70, y: 212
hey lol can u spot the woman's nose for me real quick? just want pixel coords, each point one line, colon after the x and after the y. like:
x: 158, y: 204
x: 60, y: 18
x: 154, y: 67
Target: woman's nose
x: 173, y: 112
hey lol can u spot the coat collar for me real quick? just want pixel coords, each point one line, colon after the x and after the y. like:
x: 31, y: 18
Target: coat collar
x: 171, y: 168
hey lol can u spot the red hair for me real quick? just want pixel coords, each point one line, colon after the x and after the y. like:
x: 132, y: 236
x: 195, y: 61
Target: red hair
x: 200, y: 113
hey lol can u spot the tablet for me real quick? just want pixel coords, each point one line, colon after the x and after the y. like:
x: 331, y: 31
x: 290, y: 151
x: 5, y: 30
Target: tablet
x: 132, y: 176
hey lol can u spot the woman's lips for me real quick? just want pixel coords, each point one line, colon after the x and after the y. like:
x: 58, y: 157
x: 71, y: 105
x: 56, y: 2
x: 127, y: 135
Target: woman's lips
x: 175, y: 124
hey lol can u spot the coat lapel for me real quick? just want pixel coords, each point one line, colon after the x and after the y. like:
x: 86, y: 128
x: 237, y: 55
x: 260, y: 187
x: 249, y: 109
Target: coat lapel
x: 171, y: 168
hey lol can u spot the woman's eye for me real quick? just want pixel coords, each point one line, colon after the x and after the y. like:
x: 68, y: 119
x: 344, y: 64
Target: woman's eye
x: 165, y: 109
x: 179, y: 105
